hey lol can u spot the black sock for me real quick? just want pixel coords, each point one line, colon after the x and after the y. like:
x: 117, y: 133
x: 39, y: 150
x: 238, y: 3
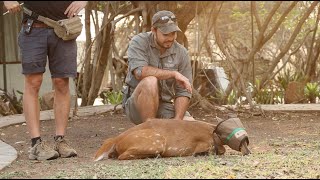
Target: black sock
x: 57, y: 137
x: 35, y: 140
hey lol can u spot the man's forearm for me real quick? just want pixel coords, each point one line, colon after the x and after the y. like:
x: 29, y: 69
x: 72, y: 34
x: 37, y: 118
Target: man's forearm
x: 160, y: 74
x: 181, y: 105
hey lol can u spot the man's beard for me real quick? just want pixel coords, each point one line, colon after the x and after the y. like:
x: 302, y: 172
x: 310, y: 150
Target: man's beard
x: 161, y: 45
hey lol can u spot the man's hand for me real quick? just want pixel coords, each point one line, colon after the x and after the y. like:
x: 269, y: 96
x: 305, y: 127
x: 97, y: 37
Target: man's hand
x: 162, y: 74
x: 75, y: 7
x: 12, y: 6
x: 182, y: 81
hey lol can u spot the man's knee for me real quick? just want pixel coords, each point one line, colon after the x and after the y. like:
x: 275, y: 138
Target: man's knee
x: 61, y: 84
x: 33, y: 82
x: 149, y: 83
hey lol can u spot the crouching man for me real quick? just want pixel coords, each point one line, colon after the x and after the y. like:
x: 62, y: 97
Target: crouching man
x: 160, y: 73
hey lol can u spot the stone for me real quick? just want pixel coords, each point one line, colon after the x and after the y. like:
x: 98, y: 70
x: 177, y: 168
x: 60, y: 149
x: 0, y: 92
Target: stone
x: 294, y: 93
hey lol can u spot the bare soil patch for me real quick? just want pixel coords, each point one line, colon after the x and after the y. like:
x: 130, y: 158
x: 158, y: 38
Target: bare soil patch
x: 273, y: 132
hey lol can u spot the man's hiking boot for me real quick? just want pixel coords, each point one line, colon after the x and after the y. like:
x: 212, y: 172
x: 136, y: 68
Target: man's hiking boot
x: 40, y: 151
x: 63, y: 148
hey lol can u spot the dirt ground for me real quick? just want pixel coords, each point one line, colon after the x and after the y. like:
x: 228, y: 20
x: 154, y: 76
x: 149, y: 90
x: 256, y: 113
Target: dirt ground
x: 86, y: 134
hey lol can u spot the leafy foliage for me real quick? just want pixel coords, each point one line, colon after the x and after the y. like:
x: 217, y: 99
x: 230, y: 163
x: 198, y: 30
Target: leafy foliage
x: 10, y: 103
x: 270, y: 94
x: 232, y: 98
x: 287, y: 76
x: 312, y: 91
x: 220, y: 97
x: 111, y: 97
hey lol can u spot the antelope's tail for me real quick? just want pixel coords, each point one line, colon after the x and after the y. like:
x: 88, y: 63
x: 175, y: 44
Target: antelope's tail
x: 107, y: 149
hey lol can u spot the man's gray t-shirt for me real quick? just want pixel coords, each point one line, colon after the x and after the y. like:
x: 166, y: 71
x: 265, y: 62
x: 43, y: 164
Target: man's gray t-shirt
x: 142, y: 51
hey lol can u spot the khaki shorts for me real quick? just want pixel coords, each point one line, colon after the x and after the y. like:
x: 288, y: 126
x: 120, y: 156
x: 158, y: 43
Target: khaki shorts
x: 165, y: 111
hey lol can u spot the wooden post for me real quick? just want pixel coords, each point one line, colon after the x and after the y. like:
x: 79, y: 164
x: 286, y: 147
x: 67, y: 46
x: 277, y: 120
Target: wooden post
x: 2, y: 49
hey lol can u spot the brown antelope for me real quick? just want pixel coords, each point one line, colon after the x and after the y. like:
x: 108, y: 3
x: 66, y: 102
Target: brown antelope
x: 169, y: 138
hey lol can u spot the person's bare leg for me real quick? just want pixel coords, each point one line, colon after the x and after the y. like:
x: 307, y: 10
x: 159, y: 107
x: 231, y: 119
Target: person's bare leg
x: 31, y: 109
x: 146, y: 96
x: 61, y: 104
x: 61, y: 114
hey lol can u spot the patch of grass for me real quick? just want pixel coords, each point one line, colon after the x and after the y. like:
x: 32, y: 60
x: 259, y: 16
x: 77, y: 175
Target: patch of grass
x: 268, y: 165
x: 286, y: 159
x: 13, y: 175
x: 293, y: 160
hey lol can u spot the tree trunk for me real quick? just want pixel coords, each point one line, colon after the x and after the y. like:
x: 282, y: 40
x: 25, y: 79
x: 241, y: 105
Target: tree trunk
x: 185, y: 17
x: 87, y: 74
x: 101, y: 65
x: 2, y: 48
x: 313, y: 53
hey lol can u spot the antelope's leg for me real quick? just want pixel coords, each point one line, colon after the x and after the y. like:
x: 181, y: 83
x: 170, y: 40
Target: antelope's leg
x: 202, y: 148
x: 136, y: 154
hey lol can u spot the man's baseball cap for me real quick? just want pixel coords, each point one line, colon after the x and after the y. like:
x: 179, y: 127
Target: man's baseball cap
x: 165, y: 21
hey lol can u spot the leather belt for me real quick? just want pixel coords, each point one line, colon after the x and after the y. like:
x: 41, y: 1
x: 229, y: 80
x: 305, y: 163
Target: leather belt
x: 38, y: 25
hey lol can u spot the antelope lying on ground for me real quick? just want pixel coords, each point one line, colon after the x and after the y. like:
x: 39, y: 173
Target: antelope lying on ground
x: 169, y: 138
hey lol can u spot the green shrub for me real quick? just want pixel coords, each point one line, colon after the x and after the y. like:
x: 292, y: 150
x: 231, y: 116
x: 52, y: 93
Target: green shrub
x: 312, y: 91
x: 270, y: 94
x: 112, y: 97
x: 287, y: 76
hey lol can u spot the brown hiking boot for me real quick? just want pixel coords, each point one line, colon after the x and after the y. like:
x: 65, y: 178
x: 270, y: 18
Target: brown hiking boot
x: 40, y: 151
x: 63, y: 148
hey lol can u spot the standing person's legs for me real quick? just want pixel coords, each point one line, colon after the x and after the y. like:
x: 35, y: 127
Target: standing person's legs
x: 31, y: 110
x: 33, y: 48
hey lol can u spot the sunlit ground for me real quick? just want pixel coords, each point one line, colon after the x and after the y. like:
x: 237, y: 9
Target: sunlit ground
x: 97, y: 102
